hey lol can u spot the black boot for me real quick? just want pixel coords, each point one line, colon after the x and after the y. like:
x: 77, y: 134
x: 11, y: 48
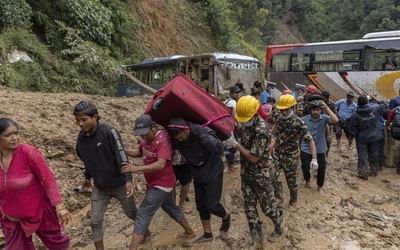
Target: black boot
x: 293, y: 198
x: 278, y: 225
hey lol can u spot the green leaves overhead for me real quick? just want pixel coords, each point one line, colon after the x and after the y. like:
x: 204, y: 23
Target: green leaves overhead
x: 15, y: 13
x: 92, y: 21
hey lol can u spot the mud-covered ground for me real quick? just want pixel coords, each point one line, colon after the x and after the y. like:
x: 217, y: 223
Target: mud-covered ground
x: 349, y: 214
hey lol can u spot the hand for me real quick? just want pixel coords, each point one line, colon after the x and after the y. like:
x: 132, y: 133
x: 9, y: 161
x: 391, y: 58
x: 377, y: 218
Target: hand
x: 127, y: 167
x: 86, y: 183
x: 231, y: 141
x: 323, y: 105
x: 314, y: 165
x: 12, y: 219
x: 129, y: 189
x: 329, y: 139
x: 271, y: 146
x: 63, y: 214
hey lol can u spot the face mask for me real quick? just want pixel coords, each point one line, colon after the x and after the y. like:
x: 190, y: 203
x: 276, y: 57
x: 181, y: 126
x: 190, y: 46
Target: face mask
x: 288, y: 116
x: 248, y: 124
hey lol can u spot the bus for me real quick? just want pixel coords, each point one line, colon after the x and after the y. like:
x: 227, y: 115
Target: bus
x: 215, y: 72
x: 363, y: 66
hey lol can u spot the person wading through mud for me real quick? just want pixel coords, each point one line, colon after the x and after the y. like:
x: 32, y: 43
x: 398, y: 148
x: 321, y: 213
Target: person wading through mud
x: 289, y: 131
x: 346, y: 108
x: 100, y: 148
x: 30, y: 200
x: 316, y: 123
x: 364, y: 126
x: 156, y: 150
x: 256, y: 169
x: 202, y: 149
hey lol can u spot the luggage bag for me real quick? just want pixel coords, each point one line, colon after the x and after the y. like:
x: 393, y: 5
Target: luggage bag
x: 181, y: 97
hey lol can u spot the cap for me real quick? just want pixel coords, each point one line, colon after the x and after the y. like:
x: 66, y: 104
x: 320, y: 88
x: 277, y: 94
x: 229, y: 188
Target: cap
x: 143, y: 124
x: 315, y: 103
x: 299, y: 86
x: 234, y: 89
x: 315, y: 97
x: 350, y: 95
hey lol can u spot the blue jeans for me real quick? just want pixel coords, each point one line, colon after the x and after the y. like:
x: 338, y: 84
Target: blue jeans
x: 152, y: 201
x: 100, y: 199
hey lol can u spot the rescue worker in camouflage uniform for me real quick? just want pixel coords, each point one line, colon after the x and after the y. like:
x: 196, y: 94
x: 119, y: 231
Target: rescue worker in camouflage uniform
x: 257, y: 172
x: 288, y: 133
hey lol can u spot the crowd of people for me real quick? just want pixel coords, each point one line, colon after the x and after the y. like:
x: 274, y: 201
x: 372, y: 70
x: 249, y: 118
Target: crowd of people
x: 270, y: 137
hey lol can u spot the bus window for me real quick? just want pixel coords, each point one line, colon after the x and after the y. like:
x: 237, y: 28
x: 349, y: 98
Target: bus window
x: 204, y: 74
x: 281, y: 62
x: 300, y: 62
x: 324, y: 61
x: 156, y: 77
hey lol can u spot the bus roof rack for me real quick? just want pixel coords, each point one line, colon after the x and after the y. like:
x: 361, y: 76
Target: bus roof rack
x: 382, y: 34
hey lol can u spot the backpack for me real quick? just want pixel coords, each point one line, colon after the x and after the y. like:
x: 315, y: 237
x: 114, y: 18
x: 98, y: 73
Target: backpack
x: 395, y: 129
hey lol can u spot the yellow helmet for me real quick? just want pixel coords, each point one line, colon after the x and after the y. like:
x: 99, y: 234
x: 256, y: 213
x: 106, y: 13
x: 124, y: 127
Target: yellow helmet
x: 246, y: 107
x: 286, y: 101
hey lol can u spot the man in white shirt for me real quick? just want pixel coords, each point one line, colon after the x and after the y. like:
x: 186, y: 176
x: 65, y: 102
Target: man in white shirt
x: 234, y: 93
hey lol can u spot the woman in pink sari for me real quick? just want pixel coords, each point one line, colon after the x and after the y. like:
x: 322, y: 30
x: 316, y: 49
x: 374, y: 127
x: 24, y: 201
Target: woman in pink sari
x: 30, y: 201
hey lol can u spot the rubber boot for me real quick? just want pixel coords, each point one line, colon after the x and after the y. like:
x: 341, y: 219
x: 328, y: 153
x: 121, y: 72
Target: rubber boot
x: 293, y: 198
x: 257, y: 238
x: 278, y: 225
x: 257, y: 244
x: 279, y: 194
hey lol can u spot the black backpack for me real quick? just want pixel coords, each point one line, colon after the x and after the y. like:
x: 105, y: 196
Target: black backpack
x: 395, y: 129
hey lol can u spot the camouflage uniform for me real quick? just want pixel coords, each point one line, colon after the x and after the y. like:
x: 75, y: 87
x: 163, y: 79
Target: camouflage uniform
x: 300, y: 104
x: 286, y: 153
x: 257, y: 179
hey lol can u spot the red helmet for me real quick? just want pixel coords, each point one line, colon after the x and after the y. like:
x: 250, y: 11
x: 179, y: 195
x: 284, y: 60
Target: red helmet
x: 311, y: 89
x: 287, y: 92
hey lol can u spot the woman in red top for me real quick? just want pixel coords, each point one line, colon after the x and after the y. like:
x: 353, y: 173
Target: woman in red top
x: 30, y: 201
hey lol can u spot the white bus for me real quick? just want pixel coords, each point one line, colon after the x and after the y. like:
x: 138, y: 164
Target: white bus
x: 363, y: 66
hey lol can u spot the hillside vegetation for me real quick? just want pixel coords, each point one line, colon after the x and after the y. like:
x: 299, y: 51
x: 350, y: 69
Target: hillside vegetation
x: 78, y: 45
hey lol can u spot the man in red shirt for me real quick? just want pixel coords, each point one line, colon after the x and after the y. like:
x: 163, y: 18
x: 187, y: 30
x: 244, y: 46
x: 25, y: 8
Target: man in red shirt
x: 156, y: 150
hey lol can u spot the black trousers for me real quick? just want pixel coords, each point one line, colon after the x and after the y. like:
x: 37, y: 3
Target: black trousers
x: 305, y: 166
x: 208, y: 197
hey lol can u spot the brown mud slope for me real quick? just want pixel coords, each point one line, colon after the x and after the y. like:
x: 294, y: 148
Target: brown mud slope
x: 171, y: 27
x: 349, y: 214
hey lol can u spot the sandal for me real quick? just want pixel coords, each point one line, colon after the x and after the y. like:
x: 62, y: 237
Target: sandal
x: 83, y: 190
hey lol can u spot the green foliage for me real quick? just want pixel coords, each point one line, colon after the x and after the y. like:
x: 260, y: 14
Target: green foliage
x: 15, y: 13
x: 62, y: 61
x: 93, y: 59
x: 219, y: 17
x: 353, y: 19
x: 124, y: 40
x: 51, y: 74
x: 91, y: 20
